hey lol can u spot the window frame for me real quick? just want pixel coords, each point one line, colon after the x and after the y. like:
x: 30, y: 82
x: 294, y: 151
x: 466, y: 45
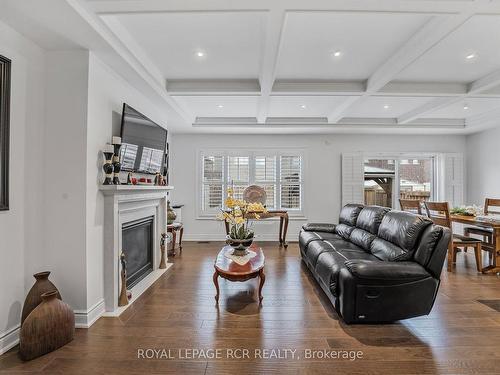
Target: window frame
x: 251, y: 153
x: 398, y: 158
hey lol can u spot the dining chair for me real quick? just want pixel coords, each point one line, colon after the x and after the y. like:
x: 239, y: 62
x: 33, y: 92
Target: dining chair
x: 411, y: 205
x: 487, y: 233
x: 439, y: 213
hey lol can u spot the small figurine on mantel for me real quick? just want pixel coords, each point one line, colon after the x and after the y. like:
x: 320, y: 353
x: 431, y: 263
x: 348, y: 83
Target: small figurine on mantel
x: 159, y: 180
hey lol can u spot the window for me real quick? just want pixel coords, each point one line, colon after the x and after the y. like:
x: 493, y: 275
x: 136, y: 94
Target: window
x: 386, y: 180
x: 280, y: 174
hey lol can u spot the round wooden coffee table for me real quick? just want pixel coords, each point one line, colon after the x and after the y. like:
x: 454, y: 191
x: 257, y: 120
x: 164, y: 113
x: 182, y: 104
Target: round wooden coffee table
x: 232, y: 271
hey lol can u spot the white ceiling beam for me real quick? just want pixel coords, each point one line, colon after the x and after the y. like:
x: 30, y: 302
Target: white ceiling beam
x: 321, y: 122
x: 398, y: 88
x: 485, y: 83
x: 316, y: 87
x: 341, y: 109
x: 275, y: 25
x: 436, y: 29
x: 484, y: 120
x: 208, y: 87
x: 162, y: 6
x: 430, y: 106
x: 428, y: 36
x: 117, y: 45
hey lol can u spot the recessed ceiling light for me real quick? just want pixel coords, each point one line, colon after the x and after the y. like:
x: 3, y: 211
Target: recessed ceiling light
x: 200, y: 54
x: 466, y: 107
x: 220, y: 106
x: 303, y: 106
x: 337, y: 53
x: 386, y: 106
x: 471, y: 56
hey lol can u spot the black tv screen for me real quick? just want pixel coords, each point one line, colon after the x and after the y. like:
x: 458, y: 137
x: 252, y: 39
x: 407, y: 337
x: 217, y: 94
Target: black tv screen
x: 143, y: 143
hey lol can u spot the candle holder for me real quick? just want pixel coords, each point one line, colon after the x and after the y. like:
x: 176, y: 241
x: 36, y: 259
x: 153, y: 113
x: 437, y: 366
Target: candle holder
x: 117, y: 143
x: 108, y: 165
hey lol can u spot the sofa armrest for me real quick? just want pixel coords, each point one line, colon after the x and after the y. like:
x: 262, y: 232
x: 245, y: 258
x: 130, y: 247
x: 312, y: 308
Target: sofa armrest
x: 319, y: 227
x: 386, y: 271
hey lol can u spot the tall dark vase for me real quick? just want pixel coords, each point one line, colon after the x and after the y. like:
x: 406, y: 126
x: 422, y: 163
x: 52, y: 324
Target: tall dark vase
x: 108, y: 166
x: 33, y: 299
x: 117, y: 143
x: 49, y: 326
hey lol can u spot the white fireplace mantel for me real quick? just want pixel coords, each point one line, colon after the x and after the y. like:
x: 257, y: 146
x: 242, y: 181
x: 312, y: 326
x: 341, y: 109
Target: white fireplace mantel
x: 124, y: 203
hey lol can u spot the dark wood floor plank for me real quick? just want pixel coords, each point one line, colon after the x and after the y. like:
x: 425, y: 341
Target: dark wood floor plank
x: 460, y: 336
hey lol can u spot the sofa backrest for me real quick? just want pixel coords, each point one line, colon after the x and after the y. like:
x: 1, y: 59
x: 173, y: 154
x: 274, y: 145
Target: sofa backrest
x: 398, y: 235
x: 367, y: 226
x: 393, y: 235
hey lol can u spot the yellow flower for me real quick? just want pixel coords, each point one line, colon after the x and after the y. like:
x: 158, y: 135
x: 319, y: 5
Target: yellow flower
x: 239, y: 220
x: 230, y: 202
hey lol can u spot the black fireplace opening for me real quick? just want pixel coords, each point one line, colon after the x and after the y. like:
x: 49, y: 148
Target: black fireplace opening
x: 137, y: 245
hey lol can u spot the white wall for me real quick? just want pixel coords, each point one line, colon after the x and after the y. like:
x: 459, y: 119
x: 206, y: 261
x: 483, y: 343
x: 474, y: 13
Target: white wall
x: 21, y: 236
x: 483, y: 166
x: 322, y: 179
x: 107, y: 92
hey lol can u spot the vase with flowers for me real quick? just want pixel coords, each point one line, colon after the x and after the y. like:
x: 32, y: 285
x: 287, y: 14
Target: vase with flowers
x: 237, y: 213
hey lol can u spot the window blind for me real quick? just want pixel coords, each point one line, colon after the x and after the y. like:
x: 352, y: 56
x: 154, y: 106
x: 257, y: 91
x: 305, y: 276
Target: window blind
x: 290, y: 182
x: 212, y: 184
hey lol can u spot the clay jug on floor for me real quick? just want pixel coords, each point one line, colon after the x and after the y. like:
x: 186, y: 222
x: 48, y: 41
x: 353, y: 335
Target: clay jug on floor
x: 33, y: 299
x: 48, y: 327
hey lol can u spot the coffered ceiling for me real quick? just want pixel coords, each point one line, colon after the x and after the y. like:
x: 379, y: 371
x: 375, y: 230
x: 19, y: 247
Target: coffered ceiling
x: 298, y: 66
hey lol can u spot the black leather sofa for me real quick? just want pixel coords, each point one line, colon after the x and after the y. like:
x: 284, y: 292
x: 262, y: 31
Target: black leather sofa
x: 376, y: 265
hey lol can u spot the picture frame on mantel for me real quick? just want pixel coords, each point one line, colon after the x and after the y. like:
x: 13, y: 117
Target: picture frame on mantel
x: 5, y: 65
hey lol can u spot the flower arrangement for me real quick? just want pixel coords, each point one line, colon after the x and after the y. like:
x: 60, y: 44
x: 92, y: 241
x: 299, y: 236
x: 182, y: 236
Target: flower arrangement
x: 237, y: 214
x: 467, y: 210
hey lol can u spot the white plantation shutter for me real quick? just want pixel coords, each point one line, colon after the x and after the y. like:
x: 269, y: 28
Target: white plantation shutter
x: 279, y: 175
x: 352, y: 178
x: 212, y: 182
x: 238, y: 174
x: 265, y: 176
x: 290, y: 182
x: 453, y: 169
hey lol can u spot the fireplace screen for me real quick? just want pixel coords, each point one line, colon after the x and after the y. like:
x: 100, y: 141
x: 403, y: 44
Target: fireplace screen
x: 137, y: 244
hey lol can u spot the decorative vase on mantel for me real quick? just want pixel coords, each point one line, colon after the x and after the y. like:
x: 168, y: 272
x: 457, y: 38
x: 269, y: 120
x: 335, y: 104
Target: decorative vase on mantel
x: 48, y: 327
x: 34, y: 297
x: 171, y: 215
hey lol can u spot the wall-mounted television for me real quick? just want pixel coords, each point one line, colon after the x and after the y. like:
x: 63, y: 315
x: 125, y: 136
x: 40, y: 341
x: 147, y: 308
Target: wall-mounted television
x: 143, y: 143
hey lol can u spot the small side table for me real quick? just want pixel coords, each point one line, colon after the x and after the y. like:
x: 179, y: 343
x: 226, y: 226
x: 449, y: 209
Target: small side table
x: 174, y: 228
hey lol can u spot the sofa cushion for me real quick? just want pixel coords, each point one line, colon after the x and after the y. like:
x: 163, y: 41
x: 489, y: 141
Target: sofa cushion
x: 385, y: 250
x: 362, y: 238
x: 430, y: 237
x: 344, y: 230
x: 306, y: 237
x: 370, y: 218
x: 330, y: 263
x: 349, y: 214
x: 315, y: 249
x: 403, y: 228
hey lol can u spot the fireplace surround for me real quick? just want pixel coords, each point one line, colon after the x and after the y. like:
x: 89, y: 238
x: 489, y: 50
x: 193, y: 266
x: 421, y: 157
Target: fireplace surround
x: 126, y: 206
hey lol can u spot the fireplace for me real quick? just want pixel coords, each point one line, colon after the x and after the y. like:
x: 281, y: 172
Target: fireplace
x: 138, y: 247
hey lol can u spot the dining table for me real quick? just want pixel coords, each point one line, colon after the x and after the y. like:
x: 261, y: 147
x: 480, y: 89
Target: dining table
x: 494, y: 247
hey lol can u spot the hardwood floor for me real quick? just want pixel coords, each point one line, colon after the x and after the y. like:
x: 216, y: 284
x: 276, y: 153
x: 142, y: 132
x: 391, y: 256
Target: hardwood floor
x: 460, y: 336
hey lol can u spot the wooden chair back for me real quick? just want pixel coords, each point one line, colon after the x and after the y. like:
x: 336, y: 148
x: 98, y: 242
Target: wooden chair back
x: 489, y: 203
x: 411, y: 205
x: 439, y: 213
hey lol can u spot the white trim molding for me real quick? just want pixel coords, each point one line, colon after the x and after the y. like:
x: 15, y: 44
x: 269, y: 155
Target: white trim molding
x: 9, y: 338
x: 85, y: 318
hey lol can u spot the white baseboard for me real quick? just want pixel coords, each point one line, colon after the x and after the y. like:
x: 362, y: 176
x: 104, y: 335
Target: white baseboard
x: 85, y: 318
x: 9, y: 338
